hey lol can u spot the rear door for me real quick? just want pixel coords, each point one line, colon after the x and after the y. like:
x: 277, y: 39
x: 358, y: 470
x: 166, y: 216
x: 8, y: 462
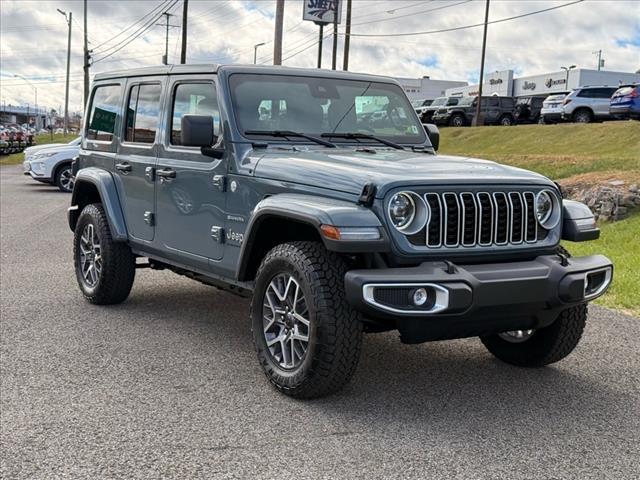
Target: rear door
x: 602, y: 100
x: 136, y: 157
x: 492, y: 109
x: 190, y: 197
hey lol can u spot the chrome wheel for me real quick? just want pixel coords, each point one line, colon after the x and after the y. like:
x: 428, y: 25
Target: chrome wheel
x: 285, y: 320
x: 90, y: 256
x: 516, y: 336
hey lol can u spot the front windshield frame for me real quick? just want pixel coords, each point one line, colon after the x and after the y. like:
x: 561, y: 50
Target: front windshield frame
x: 466, y: 101
x: 415, y: 137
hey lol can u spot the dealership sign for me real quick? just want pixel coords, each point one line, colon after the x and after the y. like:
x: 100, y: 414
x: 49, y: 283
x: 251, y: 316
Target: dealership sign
x: 529, y: 86
x: 495, y: 81
x: 321, y: 11
x: 552, y: 83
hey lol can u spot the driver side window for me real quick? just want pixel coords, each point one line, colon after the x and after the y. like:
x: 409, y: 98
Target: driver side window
x: 194, y: 98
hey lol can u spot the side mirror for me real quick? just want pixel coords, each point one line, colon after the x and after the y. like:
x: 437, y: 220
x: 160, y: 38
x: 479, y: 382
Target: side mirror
x: 433, y: 133
x: 197, y: 131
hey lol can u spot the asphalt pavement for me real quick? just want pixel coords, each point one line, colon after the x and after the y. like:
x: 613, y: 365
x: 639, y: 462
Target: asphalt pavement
x: 167, y: 385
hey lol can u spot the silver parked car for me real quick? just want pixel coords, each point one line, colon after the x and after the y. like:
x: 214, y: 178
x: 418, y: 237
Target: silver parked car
x: 52, y: 163
x: 586, y: 104
x: 552, y: 108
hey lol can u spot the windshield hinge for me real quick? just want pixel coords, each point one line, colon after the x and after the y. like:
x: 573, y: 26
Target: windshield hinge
x: 368, y: 195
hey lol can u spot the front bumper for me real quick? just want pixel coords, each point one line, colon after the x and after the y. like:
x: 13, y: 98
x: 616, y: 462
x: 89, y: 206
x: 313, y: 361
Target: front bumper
x: 440, y: 119
x: 473, y: 300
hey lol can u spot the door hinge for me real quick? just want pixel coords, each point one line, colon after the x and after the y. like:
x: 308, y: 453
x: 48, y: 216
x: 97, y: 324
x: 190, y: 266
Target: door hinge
x: 150, y: 173
x: 149, y: 218
x: 217, y: 233
x: 220, y: 182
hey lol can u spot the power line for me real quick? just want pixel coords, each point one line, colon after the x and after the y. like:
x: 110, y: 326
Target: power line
x: 412, y: 13
x: 465, y: 26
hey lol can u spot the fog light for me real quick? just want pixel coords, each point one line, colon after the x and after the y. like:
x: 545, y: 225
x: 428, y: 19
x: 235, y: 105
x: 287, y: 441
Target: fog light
x: 419, y: 297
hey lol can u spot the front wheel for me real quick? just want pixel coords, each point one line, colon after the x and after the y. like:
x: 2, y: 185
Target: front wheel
x: 537, y: 348
x: 104, y: 269
x: 307, y: 336
x: 64, y: 178
x: 506, y: 121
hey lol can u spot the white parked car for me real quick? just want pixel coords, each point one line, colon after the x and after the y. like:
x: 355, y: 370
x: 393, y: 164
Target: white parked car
x: 52, y: 163
x: 552, y: 108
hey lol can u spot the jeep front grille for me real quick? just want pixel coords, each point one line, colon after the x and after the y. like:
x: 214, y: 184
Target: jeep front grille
x: 479, y: 219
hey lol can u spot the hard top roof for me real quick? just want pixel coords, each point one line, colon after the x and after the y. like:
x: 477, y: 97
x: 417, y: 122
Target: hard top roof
x: 213, y: 68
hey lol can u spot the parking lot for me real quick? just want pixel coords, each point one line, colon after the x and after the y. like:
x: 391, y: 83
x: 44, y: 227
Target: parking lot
x: 167, y: 384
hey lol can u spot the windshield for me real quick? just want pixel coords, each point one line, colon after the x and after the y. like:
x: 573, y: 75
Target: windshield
x: 314, y: 106
x: 466, y: 101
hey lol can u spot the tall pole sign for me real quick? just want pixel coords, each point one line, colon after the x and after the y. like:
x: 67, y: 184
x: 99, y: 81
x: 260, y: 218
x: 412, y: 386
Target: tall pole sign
x: 324, y: 12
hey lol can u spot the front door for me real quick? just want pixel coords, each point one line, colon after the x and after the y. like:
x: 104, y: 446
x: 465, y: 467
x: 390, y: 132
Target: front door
x: 190, y: 200
x: 136, y: 158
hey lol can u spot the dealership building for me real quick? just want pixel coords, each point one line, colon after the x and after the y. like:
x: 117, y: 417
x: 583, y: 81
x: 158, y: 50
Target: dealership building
x: 427, y: 89
x: 503, y: 83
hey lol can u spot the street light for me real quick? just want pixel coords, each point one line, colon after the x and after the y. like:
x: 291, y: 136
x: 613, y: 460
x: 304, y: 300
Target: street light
x: 255, y: 51
x: 69, y: 20
x: 567, y: 69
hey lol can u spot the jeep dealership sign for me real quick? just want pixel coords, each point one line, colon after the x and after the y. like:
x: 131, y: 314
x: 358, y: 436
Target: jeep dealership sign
x: 321, y: 11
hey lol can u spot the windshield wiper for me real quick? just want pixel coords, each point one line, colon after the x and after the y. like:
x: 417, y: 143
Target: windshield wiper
x: 365, y: 136
x: 288, y: 133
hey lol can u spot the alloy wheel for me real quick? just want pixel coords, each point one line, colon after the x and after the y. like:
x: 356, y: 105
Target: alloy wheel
x: 90, y: 256
x: 67, y: 179
x: 285, y: 320
x: 516, y: 336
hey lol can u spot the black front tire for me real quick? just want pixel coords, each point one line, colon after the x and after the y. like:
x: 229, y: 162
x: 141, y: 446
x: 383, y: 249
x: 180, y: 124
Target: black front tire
x: 546, y: 345
x: 335, y: 328
x: 118, y: 264
x: 506, y: 121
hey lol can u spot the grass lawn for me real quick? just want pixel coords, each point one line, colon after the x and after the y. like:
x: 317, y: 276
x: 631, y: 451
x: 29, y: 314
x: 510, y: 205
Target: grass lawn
x: 617, y: 242
x: 556, y: 151
x: 16, y: 158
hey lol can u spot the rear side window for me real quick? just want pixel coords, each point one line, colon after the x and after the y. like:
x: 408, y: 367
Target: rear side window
x: 507, y: 103
x: 193, y: 98
x: 104, y: 112
x: 143, y: 113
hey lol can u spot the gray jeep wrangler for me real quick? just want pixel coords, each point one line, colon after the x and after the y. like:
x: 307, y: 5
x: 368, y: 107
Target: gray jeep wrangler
x: 319, y: 195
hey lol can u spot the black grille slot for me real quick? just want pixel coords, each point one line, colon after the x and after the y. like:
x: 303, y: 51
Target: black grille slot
x: 517, y: 217
x: 435, y: 223
x: 469, y: 218
x: 452, y: 219
x: 486, y: 218
x: 393, y: 296
x: 531, y: 224
x: 502, y: 220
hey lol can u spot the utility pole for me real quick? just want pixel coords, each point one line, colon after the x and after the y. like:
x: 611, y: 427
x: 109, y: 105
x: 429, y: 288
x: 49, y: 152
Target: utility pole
x: 86, y: 59
x: 599, y: 54
x: 320, y: 38
x: 66, y: 93
x: 336, y: 6
x: 255, y: 51
x: 165, y: 57
x: 183, y: 52
x: 277, y: 39
x: 476, y: 119
x: 347, y: 38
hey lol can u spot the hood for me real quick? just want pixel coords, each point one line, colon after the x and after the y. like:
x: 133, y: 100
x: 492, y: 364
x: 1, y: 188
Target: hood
x: 37, y: 148
x: 348, y: 170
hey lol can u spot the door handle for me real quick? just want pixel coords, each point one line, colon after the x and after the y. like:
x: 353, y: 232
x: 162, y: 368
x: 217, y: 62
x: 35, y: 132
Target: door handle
x: 166, y: 173
x: 123, y: 167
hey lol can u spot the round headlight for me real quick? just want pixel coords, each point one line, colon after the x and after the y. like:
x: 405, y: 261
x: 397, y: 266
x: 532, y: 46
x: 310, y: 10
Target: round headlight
x: 402, y: 210
x: 547, y: 209
x: 408, y: 212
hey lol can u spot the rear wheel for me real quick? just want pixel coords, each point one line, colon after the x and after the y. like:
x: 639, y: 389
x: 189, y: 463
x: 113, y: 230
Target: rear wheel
x: 537, y: 348
x: 307, y: 336
x: 104, y: 269
x: 506, y: 121
x: 582, y: 116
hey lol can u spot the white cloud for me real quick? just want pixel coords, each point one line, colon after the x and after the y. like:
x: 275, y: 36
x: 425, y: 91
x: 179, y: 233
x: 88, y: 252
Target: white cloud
x: 34, y: 35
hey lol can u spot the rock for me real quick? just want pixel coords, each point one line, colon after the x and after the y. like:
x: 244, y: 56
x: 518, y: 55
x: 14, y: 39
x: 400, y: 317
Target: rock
x: 629, y: 199
x: 616, y: 183
x: 606, y: 208
x: 634, y: 188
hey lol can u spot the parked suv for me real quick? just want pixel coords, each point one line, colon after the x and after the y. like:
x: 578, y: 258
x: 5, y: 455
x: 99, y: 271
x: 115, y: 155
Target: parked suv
x: 426, y: 113
x: 586, y: 104
x: 552, y: 108
x: 52, y: 163
x: 494, y: 111
x: 625, y: 102
x: 527, y: 110
x: 270, y: 182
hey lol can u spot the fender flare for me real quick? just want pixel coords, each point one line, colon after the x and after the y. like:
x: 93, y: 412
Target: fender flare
x: 104, y: 183
x: 314, y: 211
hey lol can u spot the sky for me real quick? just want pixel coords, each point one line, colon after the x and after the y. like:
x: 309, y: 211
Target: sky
x: 33, y: 39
